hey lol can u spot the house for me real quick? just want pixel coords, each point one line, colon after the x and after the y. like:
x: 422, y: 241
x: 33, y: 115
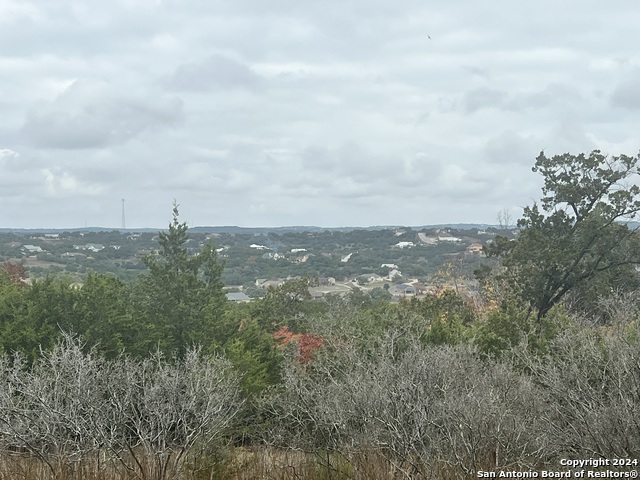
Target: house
x: 32, y: 249
x: 394, y: 274
x: 272, y: 256
x: 297, y: 250
x: 372, y: 277
x: 268, y: 283
x: 326, y: 281
x: 447, y: 237
x: 315, y: 294
x: 421, y: 288
x: 404, y: 289
x: 73, y: 255
x: 475, y: 249
x: 405, y: 244
x: 391, y: 266
x: 94, y: 247
x: 239, y: 297
x: 258, y: 247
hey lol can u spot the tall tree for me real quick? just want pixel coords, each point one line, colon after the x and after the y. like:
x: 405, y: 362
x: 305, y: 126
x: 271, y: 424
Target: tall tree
x: 182, y: 293
x: 579, y: 235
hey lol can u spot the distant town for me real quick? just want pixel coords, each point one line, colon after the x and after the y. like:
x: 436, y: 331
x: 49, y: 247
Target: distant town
x: 389, y: 262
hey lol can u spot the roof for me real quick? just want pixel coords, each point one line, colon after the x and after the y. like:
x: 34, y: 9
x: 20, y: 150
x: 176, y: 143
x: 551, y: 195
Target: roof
x: 238, y: 297
x: 271, y: 283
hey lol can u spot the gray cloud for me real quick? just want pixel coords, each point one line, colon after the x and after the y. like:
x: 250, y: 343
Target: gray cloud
x: 217, y: 72
x: 17, y: 177
x: 510, y: 148
x: 9, y: 159
x: 90, y: 115
x: 552, y: 96
x: 483, y: 98
x: 627, y: 95
x: 329, y: 113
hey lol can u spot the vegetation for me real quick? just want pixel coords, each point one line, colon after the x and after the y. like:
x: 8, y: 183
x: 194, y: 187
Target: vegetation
x: 281, y: 255
x: 577, y: 238
x: 160, y: 377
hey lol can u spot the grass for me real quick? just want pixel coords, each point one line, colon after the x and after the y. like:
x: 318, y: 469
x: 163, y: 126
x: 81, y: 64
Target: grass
x: 236, y: 464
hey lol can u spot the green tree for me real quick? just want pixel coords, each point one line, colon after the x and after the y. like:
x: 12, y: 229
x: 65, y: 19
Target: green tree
x: 381, y: 294
x: 578, y: 235
x: 182, y: 295
x: 251, y: 349
x: 31, y: 318
x: 15, y: 332
x: 105, y: 310
x: 289, y: 304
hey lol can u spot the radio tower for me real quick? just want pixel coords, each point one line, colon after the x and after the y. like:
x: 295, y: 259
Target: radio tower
x: 124, y: 225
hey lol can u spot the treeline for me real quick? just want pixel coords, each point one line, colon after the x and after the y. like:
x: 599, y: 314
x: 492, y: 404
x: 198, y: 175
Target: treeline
x: 426, y: 389
x: 160, y: 377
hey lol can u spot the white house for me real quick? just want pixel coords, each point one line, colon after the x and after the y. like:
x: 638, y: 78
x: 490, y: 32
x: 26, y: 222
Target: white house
x: 392, y: 266
x: 447, y: 237
x: 94, y: 247
x: 394, y: 274
x: 32, y: 249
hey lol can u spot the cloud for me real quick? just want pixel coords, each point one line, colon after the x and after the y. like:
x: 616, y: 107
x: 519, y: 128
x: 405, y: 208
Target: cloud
x: 552, y: 96
x: 511, y: 148
x: 216, y: 73
x: 627, y: 95
x: 483, y: 98
x: 17, y: 177
x: 8, y: 156
x: 92, y: 115
x: 282, y: 112
x: 65, y: 184
x: 570, y: 136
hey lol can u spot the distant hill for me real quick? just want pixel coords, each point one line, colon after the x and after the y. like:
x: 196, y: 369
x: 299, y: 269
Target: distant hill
x: 83, y: 229
x: 233, y: 229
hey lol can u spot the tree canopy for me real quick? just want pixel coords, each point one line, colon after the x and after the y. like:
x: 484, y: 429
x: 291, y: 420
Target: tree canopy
x: 579, y: 232
x: 183, y: 293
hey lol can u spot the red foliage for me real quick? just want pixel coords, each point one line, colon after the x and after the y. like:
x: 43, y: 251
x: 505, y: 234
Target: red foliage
x: 307, y: 343
x: 15, y: 272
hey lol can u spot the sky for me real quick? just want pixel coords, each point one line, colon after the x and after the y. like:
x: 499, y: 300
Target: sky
x: 290, y: 112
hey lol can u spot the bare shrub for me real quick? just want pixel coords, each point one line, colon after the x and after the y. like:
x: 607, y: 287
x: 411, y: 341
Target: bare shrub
x: 169, y: 408
x: 621, y: 307
x: 55, y: 409
x: 427, y: 408
x: 142, y: 418
x: 592, y: 380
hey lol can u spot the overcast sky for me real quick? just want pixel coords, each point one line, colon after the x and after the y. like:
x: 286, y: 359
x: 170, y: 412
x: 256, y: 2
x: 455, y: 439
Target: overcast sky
x: 290, y: 112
